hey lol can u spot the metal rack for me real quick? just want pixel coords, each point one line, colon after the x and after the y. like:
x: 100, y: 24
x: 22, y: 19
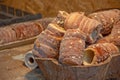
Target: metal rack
x: 10, y: 15
x: 12, y: 12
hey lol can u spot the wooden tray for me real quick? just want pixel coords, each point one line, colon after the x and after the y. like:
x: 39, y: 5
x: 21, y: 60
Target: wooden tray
x: 52, y: 70
x: 18, y: 43
x: 114, y: 68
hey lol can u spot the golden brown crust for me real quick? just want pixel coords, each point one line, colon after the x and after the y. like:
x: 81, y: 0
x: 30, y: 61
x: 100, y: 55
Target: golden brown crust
x: 44, y: 51
x: 92, y: 29
x: 89, y: 26
x: 114, y: 37
x: 27, y: 30
x: 11, y: 33
x: 33, y: 29
x: 115, y: 34
x: 60, y: 18
x: 71, y: 48
x: 48, y: 42
x: 71, y: 21
x: 19, y: 28
x: 107, y: 18
x: 75, y: 33
x: 100, y: 51
x: 104, y: 40
x: 57, y: 30
x: 44, y: 22
x: 6, y: 35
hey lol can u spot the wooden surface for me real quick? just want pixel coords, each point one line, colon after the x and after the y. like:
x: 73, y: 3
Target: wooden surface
x: 51, y: 7
x: 12, y: 66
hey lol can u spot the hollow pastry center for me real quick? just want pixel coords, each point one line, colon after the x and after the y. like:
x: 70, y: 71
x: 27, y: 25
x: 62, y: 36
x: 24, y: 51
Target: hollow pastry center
x: 88, y: 57
x: 94, y: 34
